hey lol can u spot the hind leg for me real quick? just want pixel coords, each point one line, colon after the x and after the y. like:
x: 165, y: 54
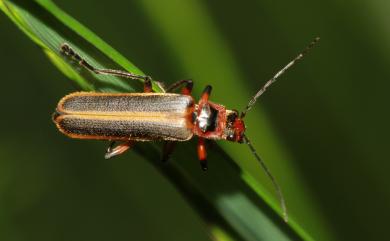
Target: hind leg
x: 119, y: 149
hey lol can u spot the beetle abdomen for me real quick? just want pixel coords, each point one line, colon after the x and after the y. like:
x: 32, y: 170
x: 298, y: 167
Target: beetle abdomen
x: 142, y: 117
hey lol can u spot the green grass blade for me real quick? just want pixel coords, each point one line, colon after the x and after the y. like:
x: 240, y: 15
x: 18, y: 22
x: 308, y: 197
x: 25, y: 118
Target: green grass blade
x: 200, y: 50
x: 233, y: 203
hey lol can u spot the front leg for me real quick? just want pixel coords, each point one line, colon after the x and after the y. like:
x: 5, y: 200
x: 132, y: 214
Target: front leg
x: 202, y: 154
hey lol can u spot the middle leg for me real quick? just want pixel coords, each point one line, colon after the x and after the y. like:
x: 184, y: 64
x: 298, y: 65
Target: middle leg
x: 187, y: 89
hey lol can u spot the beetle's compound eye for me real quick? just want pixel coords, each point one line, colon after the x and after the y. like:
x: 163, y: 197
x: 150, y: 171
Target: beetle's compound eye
x: 232, y: 117
x: 229, y: 133
x: 230, y: 120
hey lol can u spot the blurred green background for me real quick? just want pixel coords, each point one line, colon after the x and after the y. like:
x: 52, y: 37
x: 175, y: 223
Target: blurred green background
x: 330, y: 113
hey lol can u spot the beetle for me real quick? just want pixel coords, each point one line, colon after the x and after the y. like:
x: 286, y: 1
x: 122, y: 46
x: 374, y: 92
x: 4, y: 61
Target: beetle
x: 149, y: 116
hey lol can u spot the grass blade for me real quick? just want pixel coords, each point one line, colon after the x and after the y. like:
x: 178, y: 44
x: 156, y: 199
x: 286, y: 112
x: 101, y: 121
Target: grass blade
x: 233, y: 203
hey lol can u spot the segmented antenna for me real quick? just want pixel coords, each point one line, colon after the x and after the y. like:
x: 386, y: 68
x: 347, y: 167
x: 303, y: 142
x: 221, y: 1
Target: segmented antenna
x: 276, y: 76
x: 271, y: 177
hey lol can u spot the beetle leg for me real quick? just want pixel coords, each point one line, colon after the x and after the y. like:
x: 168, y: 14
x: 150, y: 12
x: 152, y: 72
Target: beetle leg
x: 148, y: 85
x: 206, y: 93
x: 168, y: 148
x: 119, y: 149
x: 202, y: 154
x: 186, y: 89
x: 67, y: 50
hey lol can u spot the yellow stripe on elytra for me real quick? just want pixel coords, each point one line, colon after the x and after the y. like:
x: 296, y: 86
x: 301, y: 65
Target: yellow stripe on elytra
x: 126, y: 114
x: 135, y: 117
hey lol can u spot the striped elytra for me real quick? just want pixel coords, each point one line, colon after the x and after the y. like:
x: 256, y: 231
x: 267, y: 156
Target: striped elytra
x: 130, y: 116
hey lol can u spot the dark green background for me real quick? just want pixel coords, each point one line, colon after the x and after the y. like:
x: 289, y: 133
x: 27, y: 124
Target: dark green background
x: 330, y: 113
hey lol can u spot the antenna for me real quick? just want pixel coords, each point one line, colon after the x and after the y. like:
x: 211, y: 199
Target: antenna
x: 271, y: 177
x: 276, y: 76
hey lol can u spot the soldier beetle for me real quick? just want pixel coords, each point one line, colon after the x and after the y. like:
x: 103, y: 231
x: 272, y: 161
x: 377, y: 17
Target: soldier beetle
x: 148, y: 116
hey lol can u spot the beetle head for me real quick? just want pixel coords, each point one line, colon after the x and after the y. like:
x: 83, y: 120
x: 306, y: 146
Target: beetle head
x: 235, y: 127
